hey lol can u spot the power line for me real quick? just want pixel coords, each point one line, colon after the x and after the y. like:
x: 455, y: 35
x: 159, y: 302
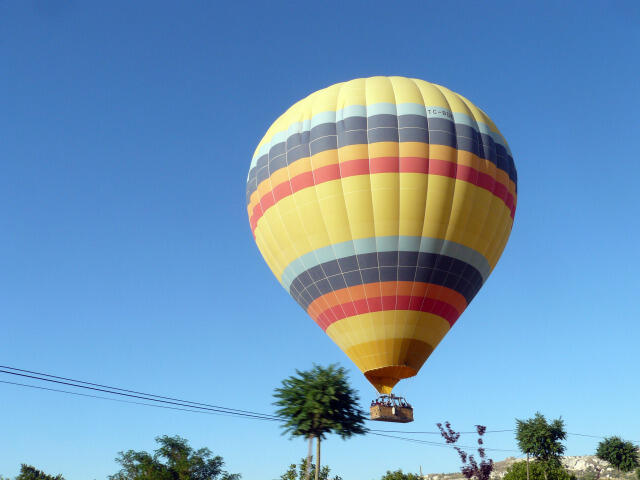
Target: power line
x: 174, y: 403
x: 438, y: 433
x: 372, y: 432
x: 114, y: 399
x: 438, y: 444
x: 488, y: 431
x: 130, y: 391
x: 147, y: 397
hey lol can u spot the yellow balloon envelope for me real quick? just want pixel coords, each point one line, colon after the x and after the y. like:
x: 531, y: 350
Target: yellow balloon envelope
x: 382, y: 205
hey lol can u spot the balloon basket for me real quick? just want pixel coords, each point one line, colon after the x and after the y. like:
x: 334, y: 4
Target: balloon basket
x: 389, y: 408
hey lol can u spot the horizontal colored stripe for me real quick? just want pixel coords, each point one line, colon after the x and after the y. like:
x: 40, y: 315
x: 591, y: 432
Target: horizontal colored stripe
x: 378, y: 340
x: 345, y: 254
x: 369, y: 327
x: 373, y: 110
x: 382, y: 165
x: 386, y: 267
x: 344, y: 155
x: 387, y: 289
x: 378, y: 304
x: 382, y: 128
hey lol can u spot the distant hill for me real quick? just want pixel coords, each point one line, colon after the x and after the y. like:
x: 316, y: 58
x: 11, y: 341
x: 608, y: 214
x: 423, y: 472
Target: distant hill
x: 583, y: 467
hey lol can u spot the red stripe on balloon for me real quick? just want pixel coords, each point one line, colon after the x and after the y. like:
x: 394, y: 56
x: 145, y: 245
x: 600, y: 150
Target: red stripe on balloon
x: 387, y: 303
x: 359, y: 166
x: 365, y: 166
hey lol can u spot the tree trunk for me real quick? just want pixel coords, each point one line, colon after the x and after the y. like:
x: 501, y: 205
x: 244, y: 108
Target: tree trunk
x: 317, y: 457
x: 527, y: 466
x: 307, y: 473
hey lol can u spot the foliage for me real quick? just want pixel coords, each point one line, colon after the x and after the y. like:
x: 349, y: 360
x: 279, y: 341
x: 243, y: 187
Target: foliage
x: 298, y: 472
x: 542, y: 440
x: 620, y: 454
x: 591, y: 474
x: 319, y: 401
x: 400, y: 475
x: 638, y: 473
x: 470, y: 467
x: 27, y: 472
x: 537, y: 471
x: 174, y: 459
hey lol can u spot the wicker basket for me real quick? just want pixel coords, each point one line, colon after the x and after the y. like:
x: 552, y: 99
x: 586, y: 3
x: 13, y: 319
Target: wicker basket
x: 383, y: 413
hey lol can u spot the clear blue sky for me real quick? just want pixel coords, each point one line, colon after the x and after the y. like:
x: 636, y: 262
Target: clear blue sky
x: 126, y: 133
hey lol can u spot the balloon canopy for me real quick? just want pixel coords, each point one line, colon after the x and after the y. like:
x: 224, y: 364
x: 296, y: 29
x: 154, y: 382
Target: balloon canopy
x: 382, y: 205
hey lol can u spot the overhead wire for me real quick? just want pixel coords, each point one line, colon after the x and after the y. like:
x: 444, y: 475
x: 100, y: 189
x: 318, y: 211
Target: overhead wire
x: 438, y: 444
x: 113, y: 399
x: 147, y: 397
x: 174, y: 403
x: 130, y: 391
x: 438, y: 433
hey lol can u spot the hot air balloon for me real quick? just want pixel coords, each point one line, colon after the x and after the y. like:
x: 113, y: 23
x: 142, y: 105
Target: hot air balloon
x: 382, y: 205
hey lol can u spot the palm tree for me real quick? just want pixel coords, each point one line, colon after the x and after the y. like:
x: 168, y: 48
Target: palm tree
x: 317, y: 402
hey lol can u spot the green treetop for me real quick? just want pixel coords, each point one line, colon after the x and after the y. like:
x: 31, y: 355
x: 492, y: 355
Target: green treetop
x: 621, y: 454
x: 317, y: 402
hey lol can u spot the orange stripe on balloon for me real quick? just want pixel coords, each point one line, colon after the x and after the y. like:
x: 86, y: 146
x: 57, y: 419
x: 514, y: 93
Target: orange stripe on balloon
x: 386, y: 289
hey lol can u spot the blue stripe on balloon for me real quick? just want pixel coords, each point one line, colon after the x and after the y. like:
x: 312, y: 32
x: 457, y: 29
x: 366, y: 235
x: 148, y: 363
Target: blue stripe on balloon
x: 377, y: 109
x: 385, y: 244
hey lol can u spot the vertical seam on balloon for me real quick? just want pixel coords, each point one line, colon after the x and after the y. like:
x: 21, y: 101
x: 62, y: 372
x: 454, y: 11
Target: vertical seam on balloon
x: 346, y: 334
x: 419, y: 318
x: 345, y: 209
x: 424, y: 217
x: 491, y: 208
x: 315, y: 191
x: 309, y: 106
x: 297, y: 211
x: 473, y: 190
x: 413, y: 285
x: 427, y: 210
x: 506, y: 232
x: 435, y: 264
x: 284, y: 225
x: 267, y: 226
x: 370, y: 317
x: 503, y: 234
x: 395, y: 309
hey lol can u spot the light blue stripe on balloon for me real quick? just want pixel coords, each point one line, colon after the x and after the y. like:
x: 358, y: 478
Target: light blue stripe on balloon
x: 412, y: 109
x: 365, y: 245
x: 382, y: 109
x: 385, y: 244
x: 409, y: 244
x: 324, y: 117
x: 352, y: 111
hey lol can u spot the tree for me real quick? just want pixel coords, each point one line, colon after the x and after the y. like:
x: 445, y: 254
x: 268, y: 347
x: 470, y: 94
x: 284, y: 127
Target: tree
x: 297, y: 472
x: 470, y: 467
x: 621, y: 454
x: 27, y: 472
x: 174, y: 459
x: 317, y: 402
x: 400, y: 475
x: 542, y: 440
x: 518, y: 471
